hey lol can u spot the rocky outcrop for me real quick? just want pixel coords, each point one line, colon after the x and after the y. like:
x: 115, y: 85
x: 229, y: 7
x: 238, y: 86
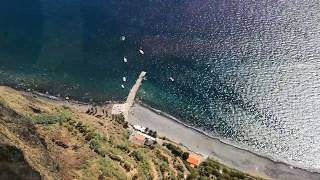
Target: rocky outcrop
x: 21, y: 133
x: 14, y: 166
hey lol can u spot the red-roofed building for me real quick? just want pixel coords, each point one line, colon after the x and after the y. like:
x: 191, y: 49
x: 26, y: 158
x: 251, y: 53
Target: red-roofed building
x: 193, y: 160
x: 138, y: 139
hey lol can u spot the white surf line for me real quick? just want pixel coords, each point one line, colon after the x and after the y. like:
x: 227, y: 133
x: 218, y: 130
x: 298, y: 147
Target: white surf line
x: 132, y: 95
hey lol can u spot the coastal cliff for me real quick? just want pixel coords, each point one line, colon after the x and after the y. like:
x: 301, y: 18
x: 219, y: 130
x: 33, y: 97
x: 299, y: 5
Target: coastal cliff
x: 51, y: 140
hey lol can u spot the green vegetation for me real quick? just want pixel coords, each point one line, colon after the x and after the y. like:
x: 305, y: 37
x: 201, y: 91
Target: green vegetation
x: 109, y: 171
x: 109, y: 152
x: 185, y: 155
x: 211, y: 169
x: 119, y: 118
x: 151, y: 132
x: 95, y: 144
x: 143, y: 162
x: 124, y: 148
x: 58, y: 117
x: 175, y: 150
x: 138, y: 155
x: 161, y: 157
x: 97, y: 148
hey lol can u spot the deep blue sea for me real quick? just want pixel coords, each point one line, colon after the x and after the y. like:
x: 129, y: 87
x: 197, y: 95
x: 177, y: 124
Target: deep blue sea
x: 246, y: 71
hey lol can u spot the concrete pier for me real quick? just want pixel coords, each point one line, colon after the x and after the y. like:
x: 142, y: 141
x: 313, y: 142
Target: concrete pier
x: 125, y: 108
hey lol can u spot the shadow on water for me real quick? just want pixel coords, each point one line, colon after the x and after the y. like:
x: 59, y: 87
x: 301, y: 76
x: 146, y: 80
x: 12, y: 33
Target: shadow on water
x: 14, y: 166
x: 21, y: 24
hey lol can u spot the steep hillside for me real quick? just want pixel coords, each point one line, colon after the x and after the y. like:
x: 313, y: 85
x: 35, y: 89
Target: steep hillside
x: 57, y: 141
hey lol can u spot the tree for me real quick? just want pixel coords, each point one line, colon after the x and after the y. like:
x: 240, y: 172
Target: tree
x: 185, y: 155
x: 126, y: 124
x: 154, y: 134
x: 150, y: 132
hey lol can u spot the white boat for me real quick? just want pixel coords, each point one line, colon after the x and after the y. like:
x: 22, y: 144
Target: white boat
x: 141, y: 52
x: 125, y: 59
x: 124, y: 79
x: 123, y: 38
x: 122, y: 86
x: 171, y: 78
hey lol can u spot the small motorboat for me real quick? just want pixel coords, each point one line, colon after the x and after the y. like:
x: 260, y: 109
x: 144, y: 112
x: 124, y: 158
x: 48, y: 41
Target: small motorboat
x: 125, y: 59
x: 123, y: 38
x: 124, y: 79
x: 171, y: 78
x: 141, y: 51
x: 122, y: 86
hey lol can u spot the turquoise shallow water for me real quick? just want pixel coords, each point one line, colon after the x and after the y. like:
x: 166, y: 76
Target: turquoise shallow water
x: 245, y: 71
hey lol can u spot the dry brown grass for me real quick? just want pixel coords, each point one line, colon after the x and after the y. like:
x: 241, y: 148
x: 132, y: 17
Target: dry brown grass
x: 112, y: 160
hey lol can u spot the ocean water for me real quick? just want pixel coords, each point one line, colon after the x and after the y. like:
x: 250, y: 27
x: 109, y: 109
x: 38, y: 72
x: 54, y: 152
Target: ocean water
x: 245, y: 71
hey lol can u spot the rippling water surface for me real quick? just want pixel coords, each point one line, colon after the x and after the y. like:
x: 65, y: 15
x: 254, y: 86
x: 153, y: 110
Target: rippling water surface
x: 246, y: 71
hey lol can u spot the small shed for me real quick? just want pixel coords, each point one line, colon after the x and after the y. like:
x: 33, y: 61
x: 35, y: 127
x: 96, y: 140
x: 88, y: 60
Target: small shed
x: 138, y: 139
x: 193, y: 160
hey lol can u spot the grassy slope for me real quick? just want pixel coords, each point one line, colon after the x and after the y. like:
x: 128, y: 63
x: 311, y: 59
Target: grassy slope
x: 95, y: 148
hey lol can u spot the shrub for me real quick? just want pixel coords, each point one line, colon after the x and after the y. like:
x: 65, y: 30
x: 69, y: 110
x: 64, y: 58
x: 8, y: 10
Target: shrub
x: 127, y: 166
x: 124, y: 148
x: 115, y: 157
x: 70, y: 129
x: 79, y: 124
x: 109, y: 171
x: 150, y: 132
x: 90, y: 136
x: 119, y: 118
x: 138, y: 155
x: 154, y: 134
x: 72, y: 122
x: 164, y: 167
x: 180, y: 175
x: 143, y: 162
x: 211, y: 168
x: 185, y: 155
x: 126, y: 125
x: 179, y: 167
x: 174, y: 149
x: 95, y: 145
x: 57, y: 117
x: 193, y: 175
x: 162, y: 157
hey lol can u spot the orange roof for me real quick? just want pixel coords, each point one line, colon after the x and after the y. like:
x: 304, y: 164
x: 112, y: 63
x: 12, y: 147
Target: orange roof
x: 193, y: 159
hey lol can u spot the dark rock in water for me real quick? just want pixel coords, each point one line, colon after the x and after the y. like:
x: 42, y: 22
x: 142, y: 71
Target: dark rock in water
x: 14, y: 166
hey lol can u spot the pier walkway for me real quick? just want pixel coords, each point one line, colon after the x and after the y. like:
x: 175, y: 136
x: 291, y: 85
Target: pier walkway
x: 125, y: 108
